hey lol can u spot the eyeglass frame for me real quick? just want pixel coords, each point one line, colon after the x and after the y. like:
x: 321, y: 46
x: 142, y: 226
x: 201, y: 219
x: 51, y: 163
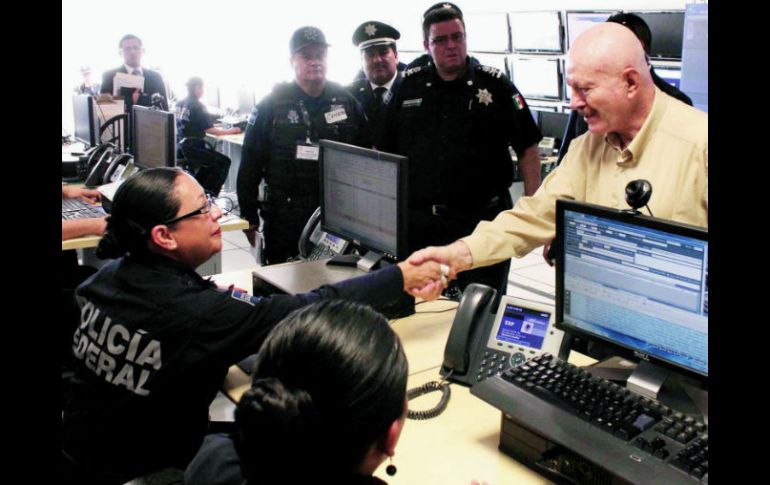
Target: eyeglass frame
x: 206, y: 209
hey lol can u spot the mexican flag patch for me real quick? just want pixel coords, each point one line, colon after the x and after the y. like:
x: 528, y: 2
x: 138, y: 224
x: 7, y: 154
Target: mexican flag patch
x: 518, y: 101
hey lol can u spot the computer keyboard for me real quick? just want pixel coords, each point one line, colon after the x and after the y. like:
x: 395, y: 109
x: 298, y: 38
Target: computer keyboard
x: 628, y: 435
x: 75, y: 208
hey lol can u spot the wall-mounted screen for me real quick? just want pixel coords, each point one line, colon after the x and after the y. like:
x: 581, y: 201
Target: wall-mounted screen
x: 537, y: 77
x: 536, y: 31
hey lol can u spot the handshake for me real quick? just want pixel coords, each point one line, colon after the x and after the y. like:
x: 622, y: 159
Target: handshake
x: 428, y: 271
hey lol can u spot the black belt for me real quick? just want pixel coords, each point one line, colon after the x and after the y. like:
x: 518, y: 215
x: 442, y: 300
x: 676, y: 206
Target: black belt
x: 449, y: 210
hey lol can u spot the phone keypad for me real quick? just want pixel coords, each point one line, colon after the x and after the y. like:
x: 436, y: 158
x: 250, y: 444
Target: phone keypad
x: 492, y: 363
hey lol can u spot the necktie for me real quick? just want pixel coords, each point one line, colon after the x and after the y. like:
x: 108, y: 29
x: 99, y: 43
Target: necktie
x: 379, y: 93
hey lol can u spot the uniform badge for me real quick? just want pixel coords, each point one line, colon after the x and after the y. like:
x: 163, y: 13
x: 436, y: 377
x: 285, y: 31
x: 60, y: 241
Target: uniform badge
x: 484, y: 96
x: 310, y: 34
x: 408, y: 103
x: 253, y: 116
x: 518, y: 102
x: 241, y: 296
x: 293, y: 117
x: 370, y: 30
x: 492, y: 71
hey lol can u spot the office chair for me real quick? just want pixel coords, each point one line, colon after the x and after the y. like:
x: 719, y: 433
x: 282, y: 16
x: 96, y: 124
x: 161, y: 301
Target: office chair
x: 209, y: 167
x: 117, y: 129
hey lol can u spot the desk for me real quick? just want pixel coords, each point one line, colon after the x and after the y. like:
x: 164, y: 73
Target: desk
x: 212, y: 266
x: 456, y: 447
x: 231, y: 146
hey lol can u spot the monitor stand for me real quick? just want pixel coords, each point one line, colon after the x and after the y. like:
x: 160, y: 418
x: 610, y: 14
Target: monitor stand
x: 657, y: 383
x: 369, y: 261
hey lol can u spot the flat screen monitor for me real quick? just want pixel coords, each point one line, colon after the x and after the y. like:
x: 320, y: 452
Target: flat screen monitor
x: 553, y: 124
x: 579, y: 21
x: 695, y: 55
x: 536, y: 32
x: 670, y: 74
x: 153, y: 138
x: 364, y: 198
x: 667, y: 30
x: 86, y: 119
x: 488, y: 32
x: 246, y: 101
x: 537, y: 77
x: 636, y: 284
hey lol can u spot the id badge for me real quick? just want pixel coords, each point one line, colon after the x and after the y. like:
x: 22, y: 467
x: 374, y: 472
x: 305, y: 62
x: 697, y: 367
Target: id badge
x: 336, y: 115
x: 308, y: 151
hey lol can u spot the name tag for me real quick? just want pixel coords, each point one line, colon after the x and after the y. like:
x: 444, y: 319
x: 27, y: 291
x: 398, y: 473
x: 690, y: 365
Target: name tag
x: 308, y: 152
x: 408, y: 103
x: 335, y: 116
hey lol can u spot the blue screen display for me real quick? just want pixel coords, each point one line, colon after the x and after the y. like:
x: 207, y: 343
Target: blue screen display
x: 521, y: 326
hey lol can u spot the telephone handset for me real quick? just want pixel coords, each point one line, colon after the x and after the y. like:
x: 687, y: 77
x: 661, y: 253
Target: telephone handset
x: 315, y: 243
x: 99, y: 164
x: 116, y: 167
x: 482, y: 344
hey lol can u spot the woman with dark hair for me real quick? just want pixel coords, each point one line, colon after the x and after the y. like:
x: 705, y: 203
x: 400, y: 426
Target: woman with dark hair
x: 329, y: 389
x: 155, y: 339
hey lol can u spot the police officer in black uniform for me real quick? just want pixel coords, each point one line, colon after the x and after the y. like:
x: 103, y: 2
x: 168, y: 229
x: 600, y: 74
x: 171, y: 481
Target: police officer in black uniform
x: 455, y: 119
x: 192, y: 117
x: 281, y: 145
x: 382, y: 72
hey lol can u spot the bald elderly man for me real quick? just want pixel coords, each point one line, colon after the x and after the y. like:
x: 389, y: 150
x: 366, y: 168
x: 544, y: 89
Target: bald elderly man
x: 636, y: 131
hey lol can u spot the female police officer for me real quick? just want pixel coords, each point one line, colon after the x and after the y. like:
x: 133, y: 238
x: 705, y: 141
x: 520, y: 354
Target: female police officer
x: 155, y: 339
x: 327, y: 403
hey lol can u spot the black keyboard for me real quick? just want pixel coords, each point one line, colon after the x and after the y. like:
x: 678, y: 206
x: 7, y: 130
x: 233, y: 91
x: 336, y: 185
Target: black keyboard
x: 75, y: 208
x: 630, y: 436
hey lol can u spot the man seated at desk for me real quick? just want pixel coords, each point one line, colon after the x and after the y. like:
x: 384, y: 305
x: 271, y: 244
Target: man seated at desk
x: 192, y: 118
x: 131, y: 49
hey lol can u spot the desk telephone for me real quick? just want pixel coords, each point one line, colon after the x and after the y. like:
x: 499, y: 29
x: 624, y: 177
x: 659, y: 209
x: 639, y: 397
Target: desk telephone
x: 104, y: 163
x: 315, y: 243
x: 482, y: 343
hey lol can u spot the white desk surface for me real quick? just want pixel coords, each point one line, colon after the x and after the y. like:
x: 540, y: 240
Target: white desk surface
x: 235, y: 139
x: 456, y: 447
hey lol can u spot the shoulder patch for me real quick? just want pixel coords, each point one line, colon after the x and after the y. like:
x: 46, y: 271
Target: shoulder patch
x: 242, y: 296
x: 412, y: 70
x: 492, y: 71
x: 253, y: 116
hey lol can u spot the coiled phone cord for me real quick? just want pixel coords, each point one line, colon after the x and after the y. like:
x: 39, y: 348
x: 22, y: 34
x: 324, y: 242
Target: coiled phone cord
x: 432, y: 386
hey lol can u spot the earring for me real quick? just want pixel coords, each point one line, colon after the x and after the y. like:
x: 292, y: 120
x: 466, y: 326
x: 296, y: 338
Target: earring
x: 391, y: 468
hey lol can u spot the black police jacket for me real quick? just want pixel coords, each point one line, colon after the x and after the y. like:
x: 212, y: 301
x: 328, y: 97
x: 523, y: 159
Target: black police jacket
x: 284, y: 119
x: 456, y: 134
x: 192, y: 119
x: 152, y: 350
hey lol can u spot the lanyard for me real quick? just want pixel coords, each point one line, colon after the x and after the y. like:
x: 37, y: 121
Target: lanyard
x: 305, y: 119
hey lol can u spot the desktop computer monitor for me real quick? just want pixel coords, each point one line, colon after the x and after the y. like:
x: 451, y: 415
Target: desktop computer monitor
x: 579, y: 21
x: 364, y: 198
x: 635, y: 284
x: 86, y: 119
x: 536, y: 32
x: 667, y: 29
x: 695, y: 55
x: 538, y: 78
x: 153, y: 138
x: 246, y: 101
x: 553, y: 124
x: 491, y: 31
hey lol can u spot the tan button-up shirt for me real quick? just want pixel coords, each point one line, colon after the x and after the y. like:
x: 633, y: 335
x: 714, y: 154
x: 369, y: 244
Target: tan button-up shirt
x: 670, y: 150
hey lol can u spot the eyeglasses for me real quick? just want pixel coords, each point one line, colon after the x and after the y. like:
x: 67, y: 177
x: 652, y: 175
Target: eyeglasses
x: 203, y: 210
x: 441, y: 40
